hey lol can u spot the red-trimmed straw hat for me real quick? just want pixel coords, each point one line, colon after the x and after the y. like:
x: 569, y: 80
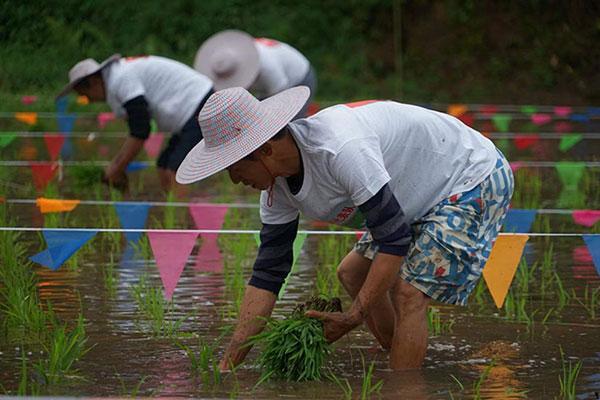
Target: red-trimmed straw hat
x: 229, y: 58
x: 83, y: 69
x: 234, y: 124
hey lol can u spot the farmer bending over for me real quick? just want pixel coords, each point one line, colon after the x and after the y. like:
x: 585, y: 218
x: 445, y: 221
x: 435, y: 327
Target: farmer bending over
x: 141, y: 88
x: 433, y: 192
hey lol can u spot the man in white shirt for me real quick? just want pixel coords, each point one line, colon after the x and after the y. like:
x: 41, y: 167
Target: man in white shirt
x: 433, y: 193
x: 265, y: 67
x: 139, y: 89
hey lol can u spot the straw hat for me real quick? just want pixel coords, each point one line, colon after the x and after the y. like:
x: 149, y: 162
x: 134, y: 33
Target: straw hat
x: 229, y: 58
x: 234, y: 124
x: 83, y: 69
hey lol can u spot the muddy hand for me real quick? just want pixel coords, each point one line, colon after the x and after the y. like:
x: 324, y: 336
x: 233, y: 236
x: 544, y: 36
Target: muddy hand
x: 335, y: 324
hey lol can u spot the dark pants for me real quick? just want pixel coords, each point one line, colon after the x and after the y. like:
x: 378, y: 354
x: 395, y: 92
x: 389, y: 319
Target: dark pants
x: 183, y: 141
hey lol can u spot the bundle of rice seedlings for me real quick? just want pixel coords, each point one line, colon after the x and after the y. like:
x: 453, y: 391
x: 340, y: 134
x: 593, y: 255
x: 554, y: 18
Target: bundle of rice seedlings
x: 295, y: 348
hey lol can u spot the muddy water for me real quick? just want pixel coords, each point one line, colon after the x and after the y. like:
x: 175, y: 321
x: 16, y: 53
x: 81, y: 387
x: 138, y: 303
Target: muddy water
x: 526, y: 360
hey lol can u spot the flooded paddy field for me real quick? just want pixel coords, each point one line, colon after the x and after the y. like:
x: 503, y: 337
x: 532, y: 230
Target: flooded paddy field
x: 122, y: 338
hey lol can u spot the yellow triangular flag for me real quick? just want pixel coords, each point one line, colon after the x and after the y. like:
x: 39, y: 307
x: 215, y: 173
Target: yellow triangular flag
x: 55, y: 205
x: 83, y: 100
x: 457, y: 110
x: 30, y: 118
x: 500, y: 268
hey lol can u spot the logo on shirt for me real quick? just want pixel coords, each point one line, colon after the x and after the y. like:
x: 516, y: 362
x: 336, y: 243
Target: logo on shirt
x: 344, y: 214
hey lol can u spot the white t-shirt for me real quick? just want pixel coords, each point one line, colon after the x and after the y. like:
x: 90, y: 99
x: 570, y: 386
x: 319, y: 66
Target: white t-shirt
x: 172, y: 89
x: 281, y: 67
x: 350, y: 151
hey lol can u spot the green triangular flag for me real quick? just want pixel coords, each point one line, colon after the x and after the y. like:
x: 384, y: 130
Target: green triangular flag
x: 528, y: 110
x: 6, y: 139
x: 153, y: 127
x: 570, y: 173
x: 501, y: 121
x: 569, y: 140
x: 503, y: 145
x: 297, y: 248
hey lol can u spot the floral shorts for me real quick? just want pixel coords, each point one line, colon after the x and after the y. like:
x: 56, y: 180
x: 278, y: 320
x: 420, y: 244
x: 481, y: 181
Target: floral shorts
x: 452, y: 242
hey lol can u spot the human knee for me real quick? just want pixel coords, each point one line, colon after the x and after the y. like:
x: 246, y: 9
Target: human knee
x: 409, y: 299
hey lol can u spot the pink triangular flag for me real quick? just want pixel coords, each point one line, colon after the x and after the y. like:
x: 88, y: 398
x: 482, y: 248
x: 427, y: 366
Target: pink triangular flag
x: 562, y: 111
x: 27, y: 100
x: 515, y: 165
x: 153, y: 144
x: 209, y: 216
x: 562, y: 127
x: 540, y: 119
x: 171, y: 251
x: 586, y: 217
x: 104, y: 118
x: 54, y: 143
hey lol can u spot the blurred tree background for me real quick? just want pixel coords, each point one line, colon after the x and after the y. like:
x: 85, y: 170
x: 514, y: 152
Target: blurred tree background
x: 528, y: 51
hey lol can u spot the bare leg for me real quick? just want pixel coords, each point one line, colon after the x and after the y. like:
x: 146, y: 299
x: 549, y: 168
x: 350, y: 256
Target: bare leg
x: 409, y: 344
x: 352, y: 273
x: 168, y: 182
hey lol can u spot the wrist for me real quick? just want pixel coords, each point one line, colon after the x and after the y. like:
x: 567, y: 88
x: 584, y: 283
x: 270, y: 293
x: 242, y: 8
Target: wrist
x: 357, y: 312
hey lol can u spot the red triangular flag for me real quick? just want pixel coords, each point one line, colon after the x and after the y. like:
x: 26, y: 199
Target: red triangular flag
x: 467, y: 119
x: 54, y: 144
x: 523, y: 142
x: 488, y: 109
x: 171, y: 251
x: 42, y: 174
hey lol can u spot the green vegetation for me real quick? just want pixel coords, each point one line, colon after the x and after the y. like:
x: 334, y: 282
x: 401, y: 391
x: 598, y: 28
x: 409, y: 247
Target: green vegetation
x: 568, y: 377
x: 204, y: 361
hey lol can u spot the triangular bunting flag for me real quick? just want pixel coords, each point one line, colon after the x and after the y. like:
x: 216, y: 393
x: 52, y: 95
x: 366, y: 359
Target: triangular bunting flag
x: 65, y: 122
x: 570, y: 197
x: 153, y: 144
x: 29, y: 118
x: 562, y: 127
x: 569, y: 140
x: 528, y: 110
x: 593, y: 111
x: 562, y: 111
x: 519, y: 221
x: 502, y: 121
x: 515, y: 165
x: 171, y: 252
x: 540, y: 119
x: 593, y: 244
x: 104, y: 118
x: 500, y: 268
x: 457, y: 110
x: 61, y: 104
x: 586, y: 217
x: 54, y: 144
x: 296, y: 250
x: 580, y: 118
x: 61, y: 246
x: 136, y: 166
x: 570, y: 173
x: 42, y: 174
x: 6, y: 139
x: 207, y: 216
x: 488, y: 109
x: 467, y: 119
x: 523, y: 142
x: 132, y: 216
x: 28, y: 100
x: 83, y: 100
x: 55, y: 205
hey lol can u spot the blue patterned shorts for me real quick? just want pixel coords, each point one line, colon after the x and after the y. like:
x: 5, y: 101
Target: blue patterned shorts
x: 452, y: 242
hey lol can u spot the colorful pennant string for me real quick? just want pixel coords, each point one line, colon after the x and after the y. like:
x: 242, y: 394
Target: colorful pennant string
x: 61, y: 246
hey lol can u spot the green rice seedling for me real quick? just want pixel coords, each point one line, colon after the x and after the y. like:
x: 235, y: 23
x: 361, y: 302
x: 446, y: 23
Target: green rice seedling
x: 547, y: 268
x: 367, y: 388
x: 63, y: 349
x: 480, y: 381
x: 85, y: 177
x: 528, y: 190
x: 110, y: 277
x: 590, y: 301
x: 142, y: 248
x: 159, y: 312
x: 563, y: 295
x: 343, y: 384
x: 295, y: 348
x: 204, y: 362
x: 27, y: 386
x: 330, y: 251
x: 435, y: 323
x: 170, y: 212
x: 568, y: 377
x: 130, y: 392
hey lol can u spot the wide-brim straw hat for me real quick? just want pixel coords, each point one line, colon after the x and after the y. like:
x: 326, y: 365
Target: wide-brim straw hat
x: 234, y: 124
x: 229, y: 58
x: 83, y: 69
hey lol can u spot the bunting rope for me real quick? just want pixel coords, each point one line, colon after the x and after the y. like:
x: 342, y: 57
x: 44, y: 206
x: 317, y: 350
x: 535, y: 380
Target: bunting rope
x: 247, y: 231
x: 21, y: 163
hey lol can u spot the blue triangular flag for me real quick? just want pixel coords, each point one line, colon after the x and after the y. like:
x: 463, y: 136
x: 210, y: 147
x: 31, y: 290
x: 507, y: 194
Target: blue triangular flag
x: 593, y: 111
x: 519, y: 221
x: 61, y: 246
x: 593, y: 245
x: 136, y: 166
x: 65, y: 122
x: 61, y: 104
x: 579, y: 117
x: 132, y: 216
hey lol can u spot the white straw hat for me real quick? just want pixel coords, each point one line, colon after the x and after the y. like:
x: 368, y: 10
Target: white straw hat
x: 234, y: 124
x: 83, y: 69
x: 229, y: 58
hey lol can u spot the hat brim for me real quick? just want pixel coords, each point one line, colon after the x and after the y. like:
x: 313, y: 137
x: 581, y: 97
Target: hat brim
x: 236, y: 42
x: 202, y: 162
x: 69, y: 86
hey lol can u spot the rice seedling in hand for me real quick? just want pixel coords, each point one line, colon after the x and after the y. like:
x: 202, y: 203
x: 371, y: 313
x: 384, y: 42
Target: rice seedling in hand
x: 295, y: 348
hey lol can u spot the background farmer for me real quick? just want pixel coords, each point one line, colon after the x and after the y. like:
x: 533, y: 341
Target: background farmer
x: 265, y: 67
x: 141, y: 88
x: 433, y: 192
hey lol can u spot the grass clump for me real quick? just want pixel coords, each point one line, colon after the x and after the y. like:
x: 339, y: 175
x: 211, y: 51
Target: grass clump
x: 295, y: 348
